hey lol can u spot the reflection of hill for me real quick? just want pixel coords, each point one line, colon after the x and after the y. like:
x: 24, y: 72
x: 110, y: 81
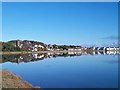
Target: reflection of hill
x: 18, y: 58
x: 10, y: 58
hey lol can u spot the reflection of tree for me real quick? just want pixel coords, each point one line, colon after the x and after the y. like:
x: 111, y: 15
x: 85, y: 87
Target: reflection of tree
x: 10, y: 58
x: 17, y: 58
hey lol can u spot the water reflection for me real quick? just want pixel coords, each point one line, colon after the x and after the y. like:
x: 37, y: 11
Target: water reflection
x: 76, y: 70
x: 18, y: 58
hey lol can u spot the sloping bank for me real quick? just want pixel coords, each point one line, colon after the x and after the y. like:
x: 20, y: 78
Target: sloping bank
x: 10, y: 80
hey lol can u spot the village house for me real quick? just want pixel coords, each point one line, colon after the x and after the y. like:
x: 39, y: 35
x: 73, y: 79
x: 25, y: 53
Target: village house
x: 112, y: 48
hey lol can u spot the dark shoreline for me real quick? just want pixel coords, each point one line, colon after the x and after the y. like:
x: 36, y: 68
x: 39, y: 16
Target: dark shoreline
x: 25, y: 52
x: 54, y: 51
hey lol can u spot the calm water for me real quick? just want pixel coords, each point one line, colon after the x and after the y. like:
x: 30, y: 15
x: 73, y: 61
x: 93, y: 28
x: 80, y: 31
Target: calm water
x: 66, y: 70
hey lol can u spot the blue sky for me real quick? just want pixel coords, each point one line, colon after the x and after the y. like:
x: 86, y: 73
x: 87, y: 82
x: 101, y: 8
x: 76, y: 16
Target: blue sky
x: 61, y: 23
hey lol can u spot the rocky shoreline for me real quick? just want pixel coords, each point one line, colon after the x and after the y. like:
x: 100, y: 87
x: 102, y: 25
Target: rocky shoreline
x: 10, y: 80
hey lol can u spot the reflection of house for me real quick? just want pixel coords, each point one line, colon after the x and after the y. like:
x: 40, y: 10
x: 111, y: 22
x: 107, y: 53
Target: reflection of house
x: 70, y: 52
x: 95, y: 48
x: 102, y: 48
x: 111, y: 52
x: 41, y: 56
x: 38, y: 56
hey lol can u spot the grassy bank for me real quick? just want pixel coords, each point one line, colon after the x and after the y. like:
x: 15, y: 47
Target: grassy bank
x: 10, y: 80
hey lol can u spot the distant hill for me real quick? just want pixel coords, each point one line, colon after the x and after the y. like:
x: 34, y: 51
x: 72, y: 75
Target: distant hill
x: 22, y: 45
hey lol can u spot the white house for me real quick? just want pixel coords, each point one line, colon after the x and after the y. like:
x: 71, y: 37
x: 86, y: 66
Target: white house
x: 40, y: 46
x: 70, y: 49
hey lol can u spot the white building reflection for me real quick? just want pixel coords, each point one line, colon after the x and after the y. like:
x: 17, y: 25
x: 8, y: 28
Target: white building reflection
x: 41, y: 56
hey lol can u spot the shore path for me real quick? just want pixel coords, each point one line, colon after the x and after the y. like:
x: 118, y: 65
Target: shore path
x: 25, y: 52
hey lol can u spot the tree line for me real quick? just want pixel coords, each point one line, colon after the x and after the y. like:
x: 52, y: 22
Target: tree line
x: 8, y: 47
